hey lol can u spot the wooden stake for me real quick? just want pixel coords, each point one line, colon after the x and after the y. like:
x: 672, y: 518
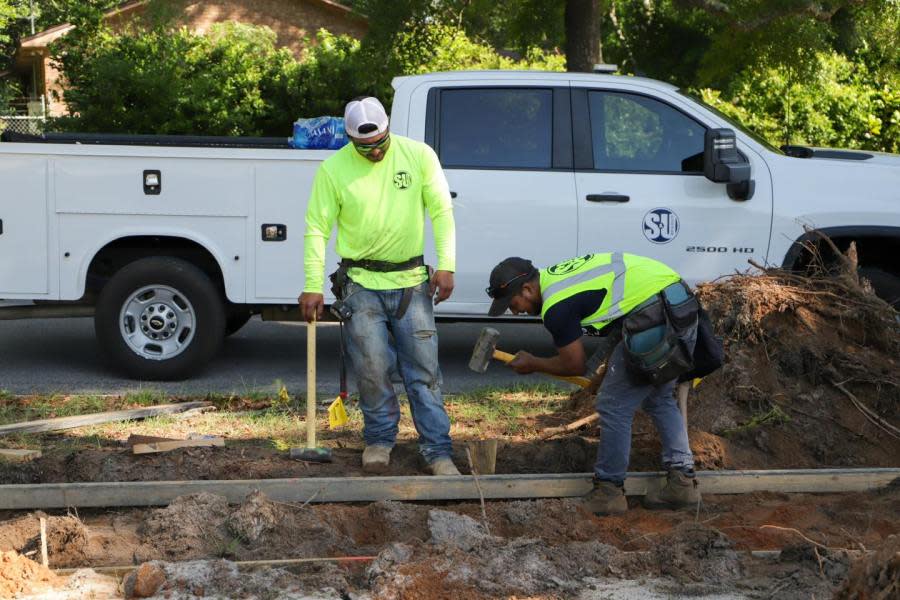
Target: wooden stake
x: 483, y: 455
x: 484, y: 518
x: 44, y: 558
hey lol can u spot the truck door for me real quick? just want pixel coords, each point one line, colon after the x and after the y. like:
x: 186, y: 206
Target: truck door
x: 641, y: 189
x: 506, y: 152
x: 23, y: 226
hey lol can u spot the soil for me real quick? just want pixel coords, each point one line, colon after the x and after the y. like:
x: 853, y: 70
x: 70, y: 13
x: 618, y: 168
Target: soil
x: 875, y: 576
x: 18, y: 573
x: 534, y: 548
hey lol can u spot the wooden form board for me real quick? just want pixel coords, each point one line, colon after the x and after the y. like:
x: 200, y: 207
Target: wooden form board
x: 98, y: 418
x: 369, y: 489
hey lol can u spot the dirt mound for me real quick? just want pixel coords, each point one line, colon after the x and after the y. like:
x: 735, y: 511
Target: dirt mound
x: 695, y: 553
x: 876, y: 576
x: 20, y: 575
x: 223, y: 579
x: 255, y: 517
x: 812, y: 375
x: 203, y: 525
x: 495, y: 568
x: 187, y: 528
x: 67, y: 538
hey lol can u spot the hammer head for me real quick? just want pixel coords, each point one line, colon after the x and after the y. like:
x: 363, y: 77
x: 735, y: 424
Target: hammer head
x: 484, y: 349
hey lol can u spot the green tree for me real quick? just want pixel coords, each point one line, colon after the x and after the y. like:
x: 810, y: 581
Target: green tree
x: 844, y: 105
x: 174, y: 82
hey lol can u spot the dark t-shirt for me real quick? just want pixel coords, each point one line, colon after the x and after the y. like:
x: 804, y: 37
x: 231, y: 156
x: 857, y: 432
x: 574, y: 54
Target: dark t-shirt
x: 563, y: 320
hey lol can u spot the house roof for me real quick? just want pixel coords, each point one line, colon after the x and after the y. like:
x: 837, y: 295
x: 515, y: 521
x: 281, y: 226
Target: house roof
x: 36, y: 45
x: 42, y: 39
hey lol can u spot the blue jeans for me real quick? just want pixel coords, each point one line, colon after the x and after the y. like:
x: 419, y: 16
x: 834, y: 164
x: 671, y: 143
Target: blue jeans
x: 619, y: 397
x: 378, y: 343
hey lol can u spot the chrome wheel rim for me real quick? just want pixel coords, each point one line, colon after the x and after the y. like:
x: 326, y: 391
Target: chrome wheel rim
x: 157, y: 322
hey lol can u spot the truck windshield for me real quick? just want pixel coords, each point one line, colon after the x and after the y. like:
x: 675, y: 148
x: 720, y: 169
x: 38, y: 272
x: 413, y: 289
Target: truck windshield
x: 750, y: 133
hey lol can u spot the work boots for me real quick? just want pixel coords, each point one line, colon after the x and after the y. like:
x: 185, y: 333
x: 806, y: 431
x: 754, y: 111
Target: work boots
x: 605, y: 499
x: 443, y: 466
x: 375, y: 459
x: 680, y: 491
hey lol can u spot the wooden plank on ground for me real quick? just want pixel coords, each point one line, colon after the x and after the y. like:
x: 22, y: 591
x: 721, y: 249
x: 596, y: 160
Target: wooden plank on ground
x: 19, y: 455
x: 167, y: 445
x: 369, y: 489
x: 98, y: 418
x: 135, y: 439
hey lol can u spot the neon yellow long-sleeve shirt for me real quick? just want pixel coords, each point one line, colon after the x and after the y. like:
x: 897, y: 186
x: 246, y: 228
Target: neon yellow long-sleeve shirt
x: 379, y: 208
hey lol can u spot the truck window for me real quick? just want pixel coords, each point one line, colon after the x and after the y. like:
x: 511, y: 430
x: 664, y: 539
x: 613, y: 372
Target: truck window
x: 630, y: 132
x: 496, y: 128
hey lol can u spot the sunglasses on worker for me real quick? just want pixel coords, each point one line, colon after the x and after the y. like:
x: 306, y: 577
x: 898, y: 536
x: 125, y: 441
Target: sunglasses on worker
x: 366, y: 149
x: 493, y: 291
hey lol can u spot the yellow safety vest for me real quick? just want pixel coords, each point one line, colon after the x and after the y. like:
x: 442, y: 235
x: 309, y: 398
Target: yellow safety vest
x: 628, y: 279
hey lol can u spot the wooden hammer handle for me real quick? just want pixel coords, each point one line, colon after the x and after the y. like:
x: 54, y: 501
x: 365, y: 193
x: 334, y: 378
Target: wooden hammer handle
x: 506, y: 357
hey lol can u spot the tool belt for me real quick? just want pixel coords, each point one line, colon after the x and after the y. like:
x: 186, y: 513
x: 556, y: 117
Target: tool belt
x: 655, y: 335
x: 340, y: 278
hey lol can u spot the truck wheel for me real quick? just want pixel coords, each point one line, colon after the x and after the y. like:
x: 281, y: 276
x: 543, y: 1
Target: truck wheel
x: 160, y: 318
x: 885, y: 284
x: 235, y: 320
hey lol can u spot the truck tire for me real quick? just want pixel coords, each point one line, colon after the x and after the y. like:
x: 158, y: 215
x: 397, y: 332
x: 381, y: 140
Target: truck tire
x: 885, y: 284
x: 160, y: 318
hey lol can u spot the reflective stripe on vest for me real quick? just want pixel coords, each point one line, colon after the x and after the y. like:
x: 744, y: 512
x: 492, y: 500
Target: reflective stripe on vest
x: 633, y: 280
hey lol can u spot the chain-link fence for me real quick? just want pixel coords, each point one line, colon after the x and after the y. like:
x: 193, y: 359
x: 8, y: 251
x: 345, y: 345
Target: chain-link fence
x: 26, y: 125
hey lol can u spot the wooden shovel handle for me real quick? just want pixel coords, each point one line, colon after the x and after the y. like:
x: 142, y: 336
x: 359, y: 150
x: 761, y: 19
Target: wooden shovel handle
x: 506, y: 357
x: 311, y: 383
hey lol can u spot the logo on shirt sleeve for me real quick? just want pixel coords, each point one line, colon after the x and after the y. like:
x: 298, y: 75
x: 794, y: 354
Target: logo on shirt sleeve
x: 402, y: 180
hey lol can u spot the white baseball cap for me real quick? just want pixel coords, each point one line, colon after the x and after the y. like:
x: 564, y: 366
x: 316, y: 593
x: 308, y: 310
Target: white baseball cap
x: 366, y: 114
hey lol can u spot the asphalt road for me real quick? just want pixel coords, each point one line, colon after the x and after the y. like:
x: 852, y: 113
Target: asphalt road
x: 62, y: 356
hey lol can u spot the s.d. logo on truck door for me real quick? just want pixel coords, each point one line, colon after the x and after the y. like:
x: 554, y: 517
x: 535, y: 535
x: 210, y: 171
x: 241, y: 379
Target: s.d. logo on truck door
x: 402, y: 180
x: 660, y: 225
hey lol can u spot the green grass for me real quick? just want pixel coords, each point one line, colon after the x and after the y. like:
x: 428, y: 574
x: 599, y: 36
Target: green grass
x: 504, y: 408
x: 30, y: 408
x: 494, y: 410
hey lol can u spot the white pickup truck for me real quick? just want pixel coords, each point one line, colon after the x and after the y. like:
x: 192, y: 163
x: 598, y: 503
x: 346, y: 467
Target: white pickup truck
x: 171, y: 243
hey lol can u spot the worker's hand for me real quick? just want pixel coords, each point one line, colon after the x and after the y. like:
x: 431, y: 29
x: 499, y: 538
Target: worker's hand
x: 442, y: 283
x: 311, y: 305
x: 523, y: 363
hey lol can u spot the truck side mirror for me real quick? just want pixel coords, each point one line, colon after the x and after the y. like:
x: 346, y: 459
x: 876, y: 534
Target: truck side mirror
x: 722, y: 163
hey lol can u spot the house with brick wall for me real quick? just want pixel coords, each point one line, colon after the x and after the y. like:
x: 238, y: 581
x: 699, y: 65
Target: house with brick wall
x: 295, y: 23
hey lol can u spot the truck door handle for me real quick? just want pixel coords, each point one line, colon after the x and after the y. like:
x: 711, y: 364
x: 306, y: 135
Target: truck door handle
x: 607, y: 198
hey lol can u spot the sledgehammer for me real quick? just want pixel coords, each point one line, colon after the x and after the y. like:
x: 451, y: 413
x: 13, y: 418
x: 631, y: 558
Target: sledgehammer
x: 486, y: 349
